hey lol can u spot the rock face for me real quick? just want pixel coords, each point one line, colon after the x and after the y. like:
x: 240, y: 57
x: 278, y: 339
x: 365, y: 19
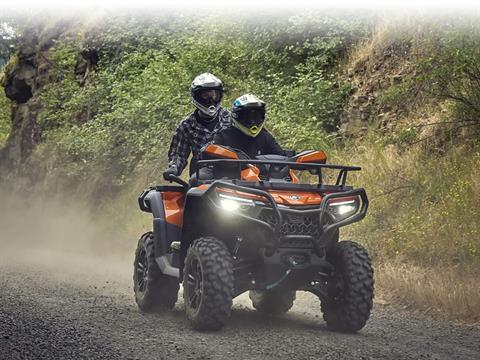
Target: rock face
x: 371, y: 74
x: 28, y: 72
x: 23, y: 81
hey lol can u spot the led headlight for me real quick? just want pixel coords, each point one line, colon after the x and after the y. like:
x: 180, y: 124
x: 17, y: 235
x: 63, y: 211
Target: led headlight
x: 343, y: 209
x: 233, y: 203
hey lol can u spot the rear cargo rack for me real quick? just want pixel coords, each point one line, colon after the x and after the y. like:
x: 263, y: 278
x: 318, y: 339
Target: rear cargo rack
x: 341, y: 178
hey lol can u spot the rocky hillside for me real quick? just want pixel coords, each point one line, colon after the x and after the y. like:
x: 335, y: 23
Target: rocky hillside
x: 25, y: 77
x: 416, y: 81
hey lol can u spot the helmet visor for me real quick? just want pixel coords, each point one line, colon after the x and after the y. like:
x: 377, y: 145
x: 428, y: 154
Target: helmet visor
x: 209, y: 97
x: 251, y: 117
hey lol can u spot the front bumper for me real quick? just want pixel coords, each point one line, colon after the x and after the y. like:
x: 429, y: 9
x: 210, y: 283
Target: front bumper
x: 315, y: 225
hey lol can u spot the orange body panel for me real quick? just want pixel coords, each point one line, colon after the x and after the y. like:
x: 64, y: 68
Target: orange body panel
x: 316, y: 156
x: 296, y: 198
x: 221, y: 152
x: 294, y: 177
x: 281, y: 196
x: 173, y: 204
x: 250, y: 173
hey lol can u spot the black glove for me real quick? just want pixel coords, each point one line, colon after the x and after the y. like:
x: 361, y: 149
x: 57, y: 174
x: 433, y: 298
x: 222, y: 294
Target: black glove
x: 289, y: 153
x: 171, y: 170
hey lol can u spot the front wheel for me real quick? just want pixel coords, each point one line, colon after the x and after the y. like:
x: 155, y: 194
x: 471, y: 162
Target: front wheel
x: 350, y: 290
x: 208, y: 283
x: 153, y: 290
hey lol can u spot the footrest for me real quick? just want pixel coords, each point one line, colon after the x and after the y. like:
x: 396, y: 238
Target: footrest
x: 175, y: 246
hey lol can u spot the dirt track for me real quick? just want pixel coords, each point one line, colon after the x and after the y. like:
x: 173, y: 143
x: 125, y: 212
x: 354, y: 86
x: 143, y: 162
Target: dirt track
x: 74, y: 307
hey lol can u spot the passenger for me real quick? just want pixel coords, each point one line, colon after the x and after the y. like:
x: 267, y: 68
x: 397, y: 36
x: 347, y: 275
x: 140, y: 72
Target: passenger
x: 247, y: 132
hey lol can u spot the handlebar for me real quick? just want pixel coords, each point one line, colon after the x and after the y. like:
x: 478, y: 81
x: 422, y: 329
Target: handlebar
x: 177, y: 179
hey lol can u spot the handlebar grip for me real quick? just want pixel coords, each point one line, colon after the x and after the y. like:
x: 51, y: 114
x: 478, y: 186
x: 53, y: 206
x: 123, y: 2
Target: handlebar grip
x: 176, y: 179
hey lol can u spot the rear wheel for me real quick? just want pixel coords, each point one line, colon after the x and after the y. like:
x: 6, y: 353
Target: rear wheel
x: 350, y: 289
x: 154, y: 291
x: 208, y: 283
x: 272, y: 301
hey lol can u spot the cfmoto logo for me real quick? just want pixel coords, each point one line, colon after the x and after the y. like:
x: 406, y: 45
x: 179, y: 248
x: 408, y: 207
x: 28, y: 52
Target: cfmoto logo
x: 294, y: 197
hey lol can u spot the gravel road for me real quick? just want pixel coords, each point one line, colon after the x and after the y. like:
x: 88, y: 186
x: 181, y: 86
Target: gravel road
x: 58, y: 306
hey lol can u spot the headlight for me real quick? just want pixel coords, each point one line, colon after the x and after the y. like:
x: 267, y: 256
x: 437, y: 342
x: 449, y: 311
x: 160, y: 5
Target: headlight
x: 343, y: 209
x: 233, y: 203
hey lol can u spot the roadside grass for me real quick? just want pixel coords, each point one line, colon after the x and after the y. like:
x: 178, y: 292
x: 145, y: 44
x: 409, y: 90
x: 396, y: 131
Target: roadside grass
x: 423, y: 206
x: 423, y: 223
x: 447, y: 292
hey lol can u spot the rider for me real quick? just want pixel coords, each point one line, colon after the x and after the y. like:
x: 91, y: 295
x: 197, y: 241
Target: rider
x: 247, y: 132
x: 199, y: 127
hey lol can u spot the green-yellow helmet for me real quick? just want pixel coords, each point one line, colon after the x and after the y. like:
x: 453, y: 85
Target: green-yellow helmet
x: 248, y: 114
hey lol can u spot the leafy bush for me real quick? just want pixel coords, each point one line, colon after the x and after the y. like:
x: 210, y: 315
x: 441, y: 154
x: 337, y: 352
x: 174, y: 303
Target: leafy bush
x: 140, y: 89
x: 451, y: 72
x: 8, y: 39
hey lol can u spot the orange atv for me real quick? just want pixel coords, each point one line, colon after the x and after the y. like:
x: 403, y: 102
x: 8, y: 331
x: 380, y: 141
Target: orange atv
x: 255, y: 227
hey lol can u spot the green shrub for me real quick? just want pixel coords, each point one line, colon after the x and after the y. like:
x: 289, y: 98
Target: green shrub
x: 448, y: 68
x: 5, y: 110
x: 140, y: 90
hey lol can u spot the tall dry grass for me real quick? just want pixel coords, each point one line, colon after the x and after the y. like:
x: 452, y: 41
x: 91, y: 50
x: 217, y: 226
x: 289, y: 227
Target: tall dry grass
x: 423, y: 207
x: 446, y: 292
x: 423, y: 225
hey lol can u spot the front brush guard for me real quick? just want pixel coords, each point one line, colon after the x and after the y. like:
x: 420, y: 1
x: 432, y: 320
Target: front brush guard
x: 326, y: 229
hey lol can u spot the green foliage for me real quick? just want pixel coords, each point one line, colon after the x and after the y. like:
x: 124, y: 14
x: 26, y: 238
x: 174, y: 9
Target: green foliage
x: 397, y: 93
x: 140, y: 90
x: 449, y: 70
x: 8, y: 40
x: 61, y: 100
x: 5, y: 110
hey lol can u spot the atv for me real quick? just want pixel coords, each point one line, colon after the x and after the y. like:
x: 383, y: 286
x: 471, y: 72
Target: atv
x: 254, y: 226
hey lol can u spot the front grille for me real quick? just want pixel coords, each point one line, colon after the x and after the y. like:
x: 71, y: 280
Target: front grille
x: 294, y: 224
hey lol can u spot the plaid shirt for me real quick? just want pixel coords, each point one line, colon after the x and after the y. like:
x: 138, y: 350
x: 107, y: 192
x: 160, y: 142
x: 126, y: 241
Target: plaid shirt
x: 191, y: 135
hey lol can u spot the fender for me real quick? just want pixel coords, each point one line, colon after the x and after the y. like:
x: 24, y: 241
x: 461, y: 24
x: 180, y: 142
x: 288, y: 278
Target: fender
x: 195, y: 212
x: 163, y: 233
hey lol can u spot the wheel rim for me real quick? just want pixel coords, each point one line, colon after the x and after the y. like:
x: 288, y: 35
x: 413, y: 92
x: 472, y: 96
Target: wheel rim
x: 194, y: 284
x: 142, y: 271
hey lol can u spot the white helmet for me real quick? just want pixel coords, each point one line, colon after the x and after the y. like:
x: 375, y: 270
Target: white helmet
x: 207, y: 93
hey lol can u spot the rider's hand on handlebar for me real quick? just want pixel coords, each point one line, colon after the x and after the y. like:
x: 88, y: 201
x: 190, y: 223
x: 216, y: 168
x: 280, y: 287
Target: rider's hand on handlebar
x: 171, y: 170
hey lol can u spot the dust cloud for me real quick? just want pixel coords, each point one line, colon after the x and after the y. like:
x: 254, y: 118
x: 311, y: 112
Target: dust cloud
x: 61, y: 236
x: 65, y: 240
